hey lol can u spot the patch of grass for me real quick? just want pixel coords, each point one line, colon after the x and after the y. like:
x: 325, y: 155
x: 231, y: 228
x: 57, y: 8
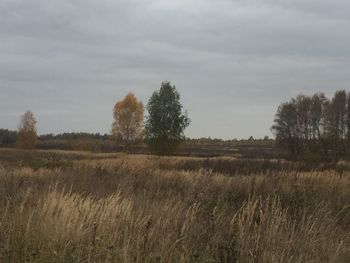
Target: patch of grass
x: 83, y: 207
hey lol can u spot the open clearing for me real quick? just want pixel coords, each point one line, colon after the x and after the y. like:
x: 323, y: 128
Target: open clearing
x: 60, y: 206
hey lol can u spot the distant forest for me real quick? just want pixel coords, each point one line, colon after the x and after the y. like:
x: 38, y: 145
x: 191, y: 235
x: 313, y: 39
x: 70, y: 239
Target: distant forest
x: 106, y: 142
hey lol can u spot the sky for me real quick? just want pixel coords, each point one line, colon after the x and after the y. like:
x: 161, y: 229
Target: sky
x: 233, y: 61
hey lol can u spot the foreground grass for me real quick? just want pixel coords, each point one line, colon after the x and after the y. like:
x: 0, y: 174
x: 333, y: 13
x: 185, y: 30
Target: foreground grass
x: 118, y: 208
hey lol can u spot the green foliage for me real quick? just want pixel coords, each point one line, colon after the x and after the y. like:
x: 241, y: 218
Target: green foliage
x: 166, y: 121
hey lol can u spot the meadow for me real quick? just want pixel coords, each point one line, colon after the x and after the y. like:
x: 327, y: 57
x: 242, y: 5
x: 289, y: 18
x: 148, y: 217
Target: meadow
x: 59, y: 206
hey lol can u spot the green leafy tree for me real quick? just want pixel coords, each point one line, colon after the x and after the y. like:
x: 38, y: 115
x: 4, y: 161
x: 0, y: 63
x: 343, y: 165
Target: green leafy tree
x: 166, y: 121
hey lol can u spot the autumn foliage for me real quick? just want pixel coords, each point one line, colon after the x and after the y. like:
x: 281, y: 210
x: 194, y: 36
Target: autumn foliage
x: 27, y: 135
x: 128, y: 117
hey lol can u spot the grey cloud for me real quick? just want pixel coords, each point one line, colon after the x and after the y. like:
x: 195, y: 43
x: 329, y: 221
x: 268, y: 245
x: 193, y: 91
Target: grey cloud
x: 233, y: 61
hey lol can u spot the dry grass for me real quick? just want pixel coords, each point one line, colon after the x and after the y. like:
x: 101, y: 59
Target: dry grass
x: 120, y: 208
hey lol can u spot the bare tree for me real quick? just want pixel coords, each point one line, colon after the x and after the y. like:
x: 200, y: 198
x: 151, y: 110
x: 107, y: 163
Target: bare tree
x: 317, y: 104
x: 348, y: 126
x: 315, y: 125
x: 286, y: 127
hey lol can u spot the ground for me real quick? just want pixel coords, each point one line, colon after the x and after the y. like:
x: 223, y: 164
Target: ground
x: 58, y: 206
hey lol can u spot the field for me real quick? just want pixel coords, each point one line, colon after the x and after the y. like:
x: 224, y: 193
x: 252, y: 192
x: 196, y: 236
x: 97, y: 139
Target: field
x: 58, y: 206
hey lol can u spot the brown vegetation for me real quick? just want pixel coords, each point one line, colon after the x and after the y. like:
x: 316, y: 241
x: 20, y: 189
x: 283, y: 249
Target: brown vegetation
x: 27, y: 137
x: 128, y: 117
x: 83, y: 207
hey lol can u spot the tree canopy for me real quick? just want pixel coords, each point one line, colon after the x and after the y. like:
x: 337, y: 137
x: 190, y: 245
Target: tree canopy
x: 128, y: 118
x: 315, y: 125
x: 166, y: 121
x: 27, y: 132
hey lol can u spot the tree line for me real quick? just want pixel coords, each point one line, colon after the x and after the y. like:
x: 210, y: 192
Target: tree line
x: 162, y: 130
x: 7, y: 137
x: 315, y: 127
x: 309, y: 127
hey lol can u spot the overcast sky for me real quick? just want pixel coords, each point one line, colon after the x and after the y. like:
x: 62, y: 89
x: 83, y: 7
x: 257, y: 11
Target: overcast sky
x: 233, y: 61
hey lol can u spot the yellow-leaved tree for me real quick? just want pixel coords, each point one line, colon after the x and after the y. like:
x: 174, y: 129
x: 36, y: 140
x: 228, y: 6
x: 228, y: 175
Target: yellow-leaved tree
x: 128, y: 118
x: 27, y: 137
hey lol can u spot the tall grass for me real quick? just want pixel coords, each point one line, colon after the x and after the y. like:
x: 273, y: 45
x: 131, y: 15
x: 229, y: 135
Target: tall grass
x: 145, y: 209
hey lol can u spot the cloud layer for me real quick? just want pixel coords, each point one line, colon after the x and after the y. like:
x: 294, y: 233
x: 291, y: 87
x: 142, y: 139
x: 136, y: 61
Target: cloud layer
x: 232, y: 61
